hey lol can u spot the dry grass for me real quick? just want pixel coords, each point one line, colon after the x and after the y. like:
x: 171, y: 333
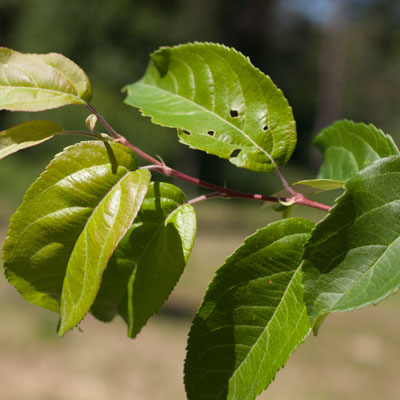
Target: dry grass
x: 355, y: 355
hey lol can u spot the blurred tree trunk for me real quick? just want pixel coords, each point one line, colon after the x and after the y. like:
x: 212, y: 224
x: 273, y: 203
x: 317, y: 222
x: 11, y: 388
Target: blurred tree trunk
x: 332, y: 69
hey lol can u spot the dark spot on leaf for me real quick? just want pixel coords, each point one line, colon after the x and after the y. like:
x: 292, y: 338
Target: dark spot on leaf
x: 265, y: 127
x: 234, y: 113
x: 186, y: 132
x: 211, y: 133
x: 235, y: 153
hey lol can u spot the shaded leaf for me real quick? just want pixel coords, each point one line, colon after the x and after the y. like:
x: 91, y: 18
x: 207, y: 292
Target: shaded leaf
x: 252, y: 317
x: 107, y: 225
x: 54, y: 212
x: 36, y: 82
x: 149, y: 260
x: 348, y: 147
x: 26, y: 135
x: 219, y: 102
x: 352, y: 258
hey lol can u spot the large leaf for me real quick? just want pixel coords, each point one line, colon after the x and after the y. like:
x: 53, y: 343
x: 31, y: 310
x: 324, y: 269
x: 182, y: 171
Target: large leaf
x: 252, y: 318
x: 56, y: 209
x: 35, y: 82
x: 26, y: 135
x: 352, y: 258
x: 149, y: 260
x: 220, y: 102
x: 348, y: 147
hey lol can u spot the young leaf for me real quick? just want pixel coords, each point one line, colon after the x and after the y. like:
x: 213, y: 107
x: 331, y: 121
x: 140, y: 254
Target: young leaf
x: 55, y: 210
x: 149, y: 260
x: 220, y: 104
x: 106, y: 226
x: 26, y: 135
x: 36, y: 82
x: 348, y: 147
x: 352, y: 258
x: 309, y: 187
x: 252, y: 318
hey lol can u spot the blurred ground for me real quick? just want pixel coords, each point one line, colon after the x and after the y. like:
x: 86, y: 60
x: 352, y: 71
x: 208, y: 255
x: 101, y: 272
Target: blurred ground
x: 355, y: 355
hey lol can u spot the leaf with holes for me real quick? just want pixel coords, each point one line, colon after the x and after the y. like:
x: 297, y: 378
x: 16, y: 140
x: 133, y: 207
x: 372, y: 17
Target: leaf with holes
x: 352, y: 258
x: 26, y: 135
x: 252, y: 318
x: 36, y: 82
x: 149, y: 260
x: 220, y: 104
x: 83, y: 186
x: 348, y: 147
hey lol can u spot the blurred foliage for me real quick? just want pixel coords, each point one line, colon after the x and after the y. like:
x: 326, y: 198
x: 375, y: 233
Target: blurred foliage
x: 111, y: 41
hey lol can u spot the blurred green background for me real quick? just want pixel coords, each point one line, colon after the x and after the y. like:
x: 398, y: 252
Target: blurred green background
x: 332, y: 58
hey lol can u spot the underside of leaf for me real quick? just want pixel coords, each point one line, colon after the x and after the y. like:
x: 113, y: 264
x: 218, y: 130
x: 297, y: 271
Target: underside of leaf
x: 25, y: 135
x: 348, y: 147
x: 219, y: 102
x: 36, y: 82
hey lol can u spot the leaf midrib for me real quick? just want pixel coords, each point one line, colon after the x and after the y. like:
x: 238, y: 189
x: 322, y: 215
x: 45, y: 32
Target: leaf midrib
x: 196, y: 105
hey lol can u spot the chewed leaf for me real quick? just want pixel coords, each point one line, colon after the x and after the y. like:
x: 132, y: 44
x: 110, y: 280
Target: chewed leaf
x: 36, y: 82
x: 348, y: 147
x: 26, y: 135
x: 54, y: 213
x: 352, y: 257
x: 252, y: 318
x: 149, y: 260
x: 219, y: 102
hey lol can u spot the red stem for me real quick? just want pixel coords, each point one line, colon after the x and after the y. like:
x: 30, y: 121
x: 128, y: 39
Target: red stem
x: 219, y: 191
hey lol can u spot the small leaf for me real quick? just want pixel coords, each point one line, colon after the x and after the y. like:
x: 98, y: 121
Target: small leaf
x: 220, y: 104
x: 348, y: 147
x: 314, y: 186
x: 54, y: 212
x: 106, y: 226
x: 352, y: 258
x: 149, y: 260
x: 26, y: 135
x: 36, y: 82
x: 252, y: 318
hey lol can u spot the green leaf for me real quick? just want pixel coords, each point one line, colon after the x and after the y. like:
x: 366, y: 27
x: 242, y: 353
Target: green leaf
x: 309, y: 187
x: 220, y: 104
x: 36, y: 82
x: 55, y: 211
x: 348, y: 147
x: 26, y: 135
x: 314, y: 186
x: 149, y: 260
x: 352, y: 258
x: 252, y: 318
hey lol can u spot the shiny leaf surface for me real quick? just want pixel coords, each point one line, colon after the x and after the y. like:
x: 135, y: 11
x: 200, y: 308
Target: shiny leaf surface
x: 352, y: 258
x: 252, y: 318
x: 149, y: 260
x: 54, y: 212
